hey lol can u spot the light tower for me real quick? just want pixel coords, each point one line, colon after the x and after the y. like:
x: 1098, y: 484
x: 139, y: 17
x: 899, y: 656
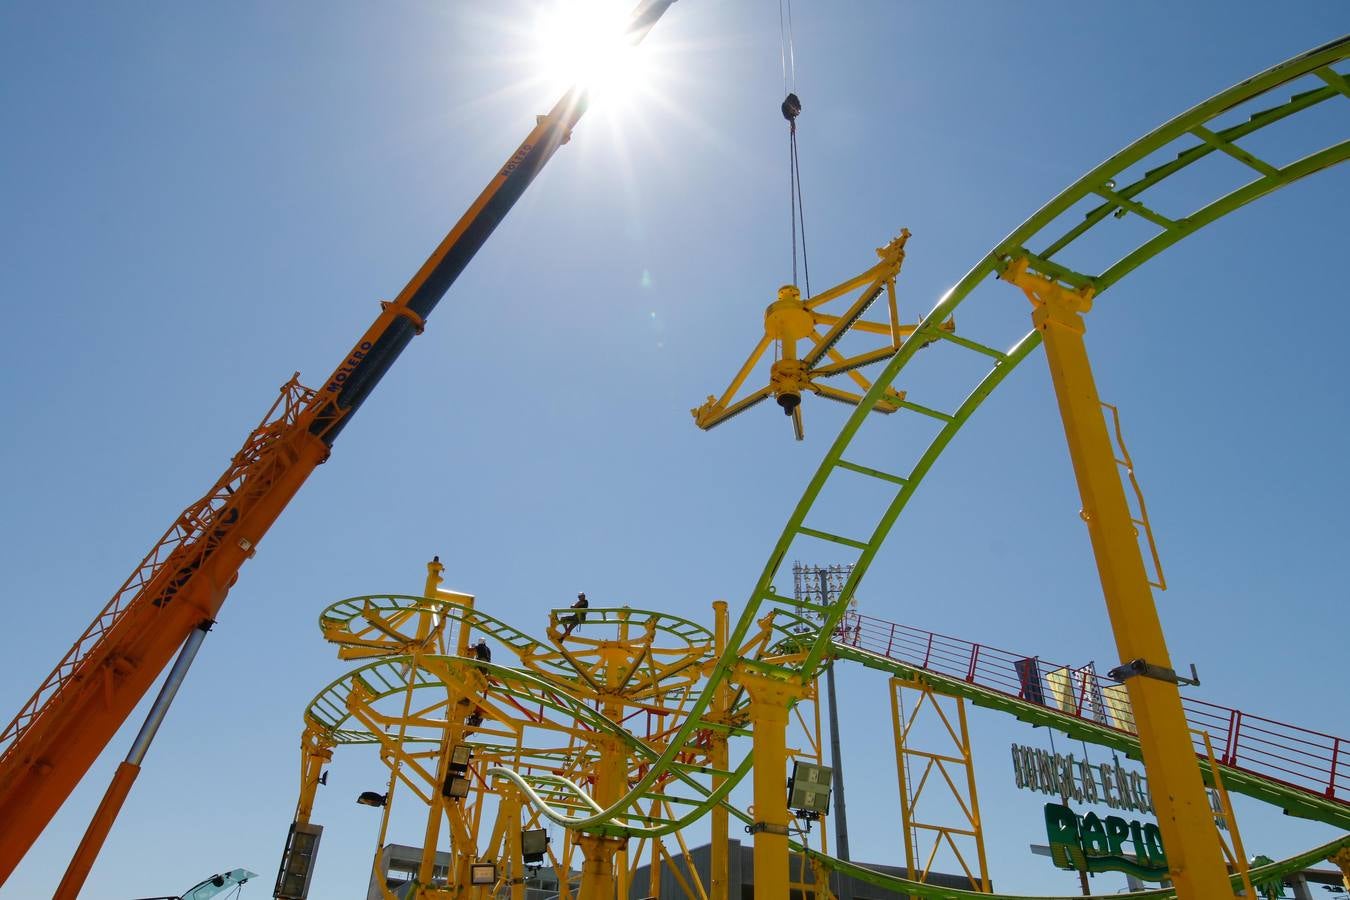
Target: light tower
x: 823, y: 584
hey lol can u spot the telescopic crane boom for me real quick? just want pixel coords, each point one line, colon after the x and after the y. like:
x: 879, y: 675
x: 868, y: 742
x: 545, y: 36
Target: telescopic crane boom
x: 184, y: 579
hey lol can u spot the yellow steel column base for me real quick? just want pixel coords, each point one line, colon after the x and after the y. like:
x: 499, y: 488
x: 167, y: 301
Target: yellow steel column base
x: 1194, y: 854
x: 597, y: 871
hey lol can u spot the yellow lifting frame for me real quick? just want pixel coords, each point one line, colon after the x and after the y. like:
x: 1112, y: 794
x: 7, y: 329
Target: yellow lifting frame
x: 791, y: 319
x: 1194, y: 854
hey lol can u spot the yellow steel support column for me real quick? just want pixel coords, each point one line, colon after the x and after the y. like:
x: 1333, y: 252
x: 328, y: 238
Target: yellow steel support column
x: 314, y: 755
x: 434, y: 579
x: 654, y: 867
x: 770, y: 699
x: 600, y: 880
x: 512, y: 853
x: 620, y: 872
x: 1342, y: 861
x: 434, y: 571
x: 437, y: 806
x: 508, y: 815
x: 906, y: 826
x: 953, y: 737
x: 1195, y: 858
x: 719, y: 759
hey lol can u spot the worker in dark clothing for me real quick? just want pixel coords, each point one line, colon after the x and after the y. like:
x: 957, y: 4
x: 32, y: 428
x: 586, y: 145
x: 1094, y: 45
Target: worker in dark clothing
x: 578, y: 617
x: 482, y: 653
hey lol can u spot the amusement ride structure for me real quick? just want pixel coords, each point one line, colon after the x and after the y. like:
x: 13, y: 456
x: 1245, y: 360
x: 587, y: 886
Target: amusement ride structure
x: 626, y: 726
x: 592, y: 708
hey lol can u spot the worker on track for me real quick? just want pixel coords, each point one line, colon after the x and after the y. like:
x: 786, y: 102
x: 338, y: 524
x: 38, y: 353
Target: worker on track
x: 576, y: 618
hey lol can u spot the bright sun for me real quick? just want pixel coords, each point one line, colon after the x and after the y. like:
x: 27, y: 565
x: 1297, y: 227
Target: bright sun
x: 581, y: 42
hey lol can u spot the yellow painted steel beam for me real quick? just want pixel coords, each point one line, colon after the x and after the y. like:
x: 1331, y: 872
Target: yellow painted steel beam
x: 315, y: 752
x: 1194, y: 855
x: 719, y: 759
x: 1233, y: 850
x: 770, y: 699
x: 911, y: 791
x: 886, y: 406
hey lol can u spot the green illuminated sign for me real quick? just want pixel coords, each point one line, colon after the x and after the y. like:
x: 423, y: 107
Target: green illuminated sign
x: 1091, y: 844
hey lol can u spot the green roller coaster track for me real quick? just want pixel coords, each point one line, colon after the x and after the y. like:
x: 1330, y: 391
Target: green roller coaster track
x: 1295, y: 802
x: 1184, y: 142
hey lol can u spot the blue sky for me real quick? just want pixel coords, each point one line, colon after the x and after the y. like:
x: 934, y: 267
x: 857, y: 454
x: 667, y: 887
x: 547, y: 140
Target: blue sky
x: 199, y: 200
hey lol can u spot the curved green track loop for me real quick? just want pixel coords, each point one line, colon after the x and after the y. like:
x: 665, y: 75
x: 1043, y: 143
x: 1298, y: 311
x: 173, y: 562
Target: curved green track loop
x: 1192, y: 137
x: 337, y: 621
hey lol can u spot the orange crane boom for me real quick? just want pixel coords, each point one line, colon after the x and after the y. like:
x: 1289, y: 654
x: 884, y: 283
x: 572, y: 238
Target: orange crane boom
x: 184, y: 579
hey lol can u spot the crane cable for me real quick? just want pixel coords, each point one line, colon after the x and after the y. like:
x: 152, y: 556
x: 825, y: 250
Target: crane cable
x: 791, y: 108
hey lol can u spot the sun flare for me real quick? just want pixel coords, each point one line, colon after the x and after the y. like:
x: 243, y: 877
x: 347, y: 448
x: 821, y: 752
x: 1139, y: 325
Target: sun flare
x: 582, y: 42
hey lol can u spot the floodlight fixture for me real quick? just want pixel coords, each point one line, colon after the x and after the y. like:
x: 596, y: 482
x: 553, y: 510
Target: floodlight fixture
x: 534, y: 845
x: 483, y: 873
x: 809, y: 790
x: 297, y: 861
x: 456, y: 787
x: 459, y: 758
x: 372, y: 798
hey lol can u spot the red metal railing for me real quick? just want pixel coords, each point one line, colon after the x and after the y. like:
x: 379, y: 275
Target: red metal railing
x: 1297, y: 757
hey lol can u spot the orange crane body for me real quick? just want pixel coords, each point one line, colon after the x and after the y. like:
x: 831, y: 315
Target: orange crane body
x: 81, y: 711
x: 183, y: 581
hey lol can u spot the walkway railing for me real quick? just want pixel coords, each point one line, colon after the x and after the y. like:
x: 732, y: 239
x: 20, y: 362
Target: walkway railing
x: 1302, y: 759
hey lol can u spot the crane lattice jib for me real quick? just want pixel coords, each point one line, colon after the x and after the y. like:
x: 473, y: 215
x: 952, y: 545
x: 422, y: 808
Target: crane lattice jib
x: 183, y: 580
x: 1189, y: 139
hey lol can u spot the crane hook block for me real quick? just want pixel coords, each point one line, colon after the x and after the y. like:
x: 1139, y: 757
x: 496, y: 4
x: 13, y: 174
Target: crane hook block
x: 792, y: 107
